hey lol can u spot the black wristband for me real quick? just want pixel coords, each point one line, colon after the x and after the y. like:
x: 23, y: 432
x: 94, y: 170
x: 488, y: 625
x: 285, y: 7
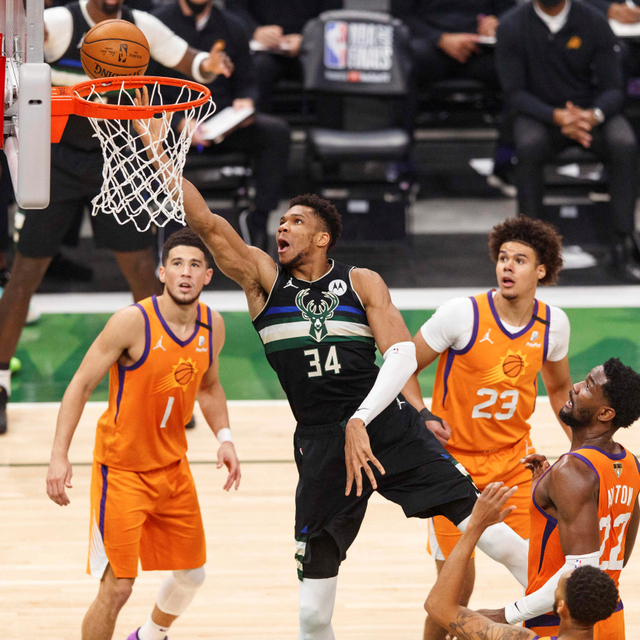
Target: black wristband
x: 425, y: 414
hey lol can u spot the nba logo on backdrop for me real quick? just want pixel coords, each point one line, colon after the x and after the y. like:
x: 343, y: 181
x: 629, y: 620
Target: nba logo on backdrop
x: 335, y: 45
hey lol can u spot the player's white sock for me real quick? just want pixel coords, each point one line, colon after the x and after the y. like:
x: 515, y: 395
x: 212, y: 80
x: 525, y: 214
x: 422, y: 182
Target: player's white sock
x: 317, y: 598
x: 5, y: 380
x: 152, y: 631
x: 504, y: 545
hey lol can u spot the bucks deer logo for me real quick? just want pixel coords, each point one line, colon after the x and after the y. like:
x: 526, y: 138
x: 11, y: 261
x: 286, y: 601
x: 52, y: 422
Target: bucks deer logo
x: 317, y: 313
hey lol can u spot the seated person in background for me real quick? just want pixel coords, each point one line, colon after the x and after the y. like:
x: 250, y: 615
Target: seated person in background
x: 625, y: 13
x: 277, y: 26
x: 266, y: 139
x: 560, y: 73
x: 445, y: 37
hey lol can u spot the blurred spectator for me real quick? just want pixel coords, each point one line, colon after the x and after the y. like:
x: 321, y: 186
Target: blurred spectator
x: 559, y: 71
x: 445, y: 37
x: 625, y: 13
x: 275, y: 28
x: 267, y: 138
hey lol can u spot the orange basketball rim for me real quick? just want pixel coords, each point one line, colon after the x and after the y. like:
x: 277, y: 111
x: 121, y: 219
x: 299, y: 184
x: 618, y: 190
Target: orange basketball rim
x: 66, y: 101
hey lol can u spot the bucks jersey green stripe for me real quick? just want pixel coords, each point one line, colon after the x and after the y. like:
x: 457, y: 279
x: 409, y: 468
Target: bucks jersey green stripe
x: 308, y: 341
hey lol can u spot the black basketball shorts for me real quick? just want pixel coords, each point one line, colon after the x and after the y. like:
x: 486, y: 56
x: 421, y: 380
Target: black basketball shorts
x: 420, y: 476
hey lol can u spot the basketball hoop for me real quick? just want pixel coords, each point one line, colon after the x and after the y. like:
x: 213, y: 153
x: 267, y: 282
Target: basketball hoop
x: 135, y: 186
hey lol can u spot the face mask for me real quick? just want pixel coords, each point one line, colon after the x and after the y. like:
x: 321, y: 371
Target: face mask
x: 197, y: 7
x: 547, y: 4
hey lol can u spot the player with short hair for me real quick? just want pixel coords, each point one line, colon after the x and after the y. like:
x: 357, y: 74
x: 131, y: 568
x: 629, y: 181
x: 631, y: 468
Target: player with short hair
x: 584, y: 508
x: 584, y: 596
x: 490, y: 349
x: 160, y: 354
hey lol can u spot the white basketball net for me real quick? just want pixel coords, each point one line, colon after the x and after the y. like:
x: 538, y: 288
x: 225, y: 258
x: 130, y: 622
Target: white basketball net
x: 135, y: 187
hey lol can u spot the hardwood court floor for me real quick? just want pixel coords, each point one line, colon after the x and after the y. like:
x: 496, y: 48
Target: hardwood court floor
x: 251, y: 588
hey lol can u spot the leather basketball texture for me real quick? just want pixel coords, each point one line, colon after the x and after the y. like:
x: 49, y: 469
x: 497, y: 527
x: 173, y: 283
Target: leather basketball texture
x: 114, y: 48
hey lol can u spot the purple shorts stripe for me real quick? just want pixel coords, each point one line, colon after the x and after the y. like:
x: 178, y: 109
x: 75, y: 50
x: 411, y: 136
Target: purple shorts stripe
x: 103, y: 499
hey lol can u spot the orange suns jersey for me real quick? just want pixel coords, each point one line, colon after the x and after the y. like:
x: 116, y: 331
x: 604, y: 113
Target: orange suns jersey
x: 619, y: 477
x: 487, y: 391
x: 151, y: 401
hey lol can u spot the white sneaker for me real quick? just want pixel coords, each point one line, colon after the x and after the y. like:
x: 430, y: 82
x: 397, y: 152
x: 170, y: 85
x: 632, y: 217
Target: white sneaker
x: 575, y: 257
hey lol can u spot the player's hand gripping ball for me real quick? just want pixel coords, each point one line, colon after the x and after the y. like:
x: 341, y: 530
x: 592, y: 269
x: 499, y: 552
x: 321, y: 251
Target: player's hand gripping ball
x: 114, y: 48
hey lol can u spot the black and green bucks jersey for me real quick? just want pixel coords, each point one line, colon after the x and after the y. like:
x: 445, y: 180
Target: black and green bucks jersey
x: 317, y: 339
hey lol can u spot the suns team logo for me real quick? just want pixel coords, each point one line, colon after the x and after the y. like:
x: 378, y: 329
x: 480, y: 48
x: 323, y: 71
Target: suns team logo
x: 179, y: 378
x: 511, y: 367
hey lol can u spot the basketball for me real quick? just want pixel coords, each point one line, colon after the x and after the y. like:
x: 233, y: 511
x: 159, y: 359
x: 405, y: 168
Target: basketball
x: 114, y: 48
x: 513, y: 365
x: 183, y: 373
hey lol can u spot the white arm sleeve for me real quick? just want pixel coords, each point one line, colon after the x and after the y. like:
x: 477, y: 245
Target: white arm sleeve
x: 450, y: 326
x: 541, y: 601
x: 559, y: 333
x: 399, y: 363
x: 59, y: 25
x: 165, y: 46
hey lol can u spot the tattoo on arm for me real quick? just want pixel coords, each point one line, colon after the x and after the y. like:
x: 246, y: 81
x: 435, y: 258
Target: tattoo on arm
x: 470, y: 625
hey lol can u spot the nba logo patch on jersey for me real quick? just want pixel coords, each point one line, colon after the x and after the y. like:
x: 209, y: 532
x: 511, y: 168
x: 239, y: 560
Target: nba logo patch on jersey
x: 617, y: 469
x: 339, y: 287
x: 335, y: 45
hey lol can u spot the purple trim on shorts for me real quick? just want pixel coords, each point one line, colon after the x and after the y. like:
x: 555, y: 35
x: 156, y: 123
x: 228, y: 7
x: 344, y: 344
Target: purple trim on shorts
x: 611, y: 456
x: 452, y: 353
x: 147, y: 341
x: 547, y: 330
x: 585, y: 460
x: 496, y: 317
x: 210, y: 335
x: 103, y: 499
x: 181, y: 343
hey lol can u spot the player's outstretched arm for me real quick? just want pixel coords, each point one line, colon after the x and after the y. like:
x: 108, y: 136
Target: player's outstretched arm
x: 251, y: 268
x: 213, y: 404
x: 116, y: 338
x: 442, y: 603
x: 557, y: 382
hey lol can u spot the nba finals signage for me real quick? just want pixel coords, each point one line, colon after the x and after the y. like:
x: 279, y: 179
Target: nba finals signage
x: 356, y: 52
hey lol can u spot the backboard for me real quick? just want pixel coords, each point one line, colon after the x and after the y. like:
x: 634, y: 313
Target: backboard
x: 27, y: 100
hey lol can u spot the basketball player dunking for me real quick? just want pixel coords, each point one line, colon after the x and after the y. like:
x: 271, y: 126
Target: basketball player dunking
x: 320, y: 321
x: 491, y: 348
x: 159, y: 353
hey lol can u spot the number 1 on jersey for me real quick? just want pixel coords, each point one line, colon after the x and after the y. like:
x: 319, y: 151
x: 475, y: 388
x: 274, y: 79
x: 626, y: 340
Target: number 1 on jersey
x: 167, y: 413
x: 331, y: 363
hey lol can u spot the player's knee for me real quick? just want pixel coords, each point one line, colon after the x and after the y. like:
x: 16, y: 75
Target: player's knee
x: 190, y: 578
x: 314, y: 617
x: 118, y: 593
